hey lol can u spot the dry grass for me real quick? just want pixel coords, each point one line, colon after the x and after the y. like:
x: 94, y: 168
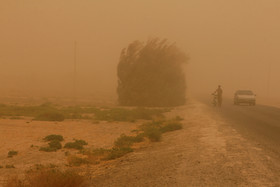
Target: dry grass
x: 74, y: 160
x: 48, y: 178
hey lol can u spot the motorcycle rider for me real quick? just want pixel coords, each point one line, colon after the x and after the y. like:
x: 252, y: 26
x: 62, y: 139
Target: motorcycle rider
x: 219, y: 93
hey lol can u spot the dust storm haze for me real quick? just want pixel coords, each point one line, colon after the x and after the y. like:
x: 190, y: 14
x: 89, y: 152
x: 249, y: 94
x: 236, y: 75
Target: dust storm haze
x: 232, y: 43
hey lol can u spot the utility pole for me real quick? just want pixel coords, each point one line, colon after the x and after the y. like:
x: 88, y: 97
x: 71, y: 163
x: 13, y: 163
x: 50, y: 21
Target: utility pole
x: 75, y: 74
x: 268, y: 80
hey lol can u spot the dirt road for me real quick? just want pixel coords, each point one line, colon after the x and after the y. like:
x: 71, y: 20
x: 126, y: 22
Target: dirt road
x: 207, y: 152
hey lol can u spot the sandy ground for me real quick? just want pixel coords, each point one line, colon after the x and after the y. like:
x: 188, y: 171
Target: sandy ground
x: 206, y: 152
x: 20, y: 135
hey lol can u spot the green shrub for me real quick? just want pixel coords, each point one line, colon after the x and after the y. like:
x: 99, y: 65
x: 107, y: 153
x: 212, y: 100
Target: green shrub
x: 78, y: 144
x: 127, y: 141
x: 12, y: 153
x: 118, y: 152
x: 53, y: 137
x: 153, y: 133
x: 171, y: 126
x: 81, y: 142
x: 55, y: 144
x: 94, y: 152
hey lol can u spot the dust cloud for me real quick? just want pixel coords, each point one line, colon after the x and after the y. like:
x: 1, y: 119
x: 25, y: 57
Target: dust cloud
x: 232, y: 43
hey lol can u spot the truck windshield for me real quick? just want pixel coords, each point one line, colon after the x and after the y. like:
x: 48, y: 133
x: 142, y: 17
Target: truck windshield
x: 245, y: 92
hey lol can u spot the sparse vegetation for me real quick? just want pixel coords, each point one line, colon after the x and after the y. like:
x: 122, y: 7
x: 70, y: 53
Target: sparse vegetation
x: 49, y: 178
x: 12, y: 153
x: 171, y: 126
x: 154, y: 129
x: 54, y: 143
x: 77, y: 144
x: 153, y: 133
x: 118, y: 152
x: 40, y: 166
x: 121, y: 114
x: 48, y: 112
x: 126, y: 141
x: 74, y: 160
x: 10, y: 166
x: 54, y: 137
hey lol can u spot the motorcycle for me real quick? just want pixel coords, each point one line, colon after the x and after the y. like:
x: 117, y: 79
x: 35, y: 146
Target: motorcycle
x: 215, y: 99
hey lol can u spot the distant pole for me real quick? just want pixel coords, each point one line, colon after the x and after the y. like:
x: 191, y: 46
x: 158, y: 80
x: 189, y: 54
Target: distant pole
x: 75, y: 73
x: 268, y: 80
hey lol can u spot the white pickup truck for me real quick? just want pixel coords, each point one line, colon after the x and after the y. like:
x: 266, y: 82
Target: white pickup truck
x: 244, y: 96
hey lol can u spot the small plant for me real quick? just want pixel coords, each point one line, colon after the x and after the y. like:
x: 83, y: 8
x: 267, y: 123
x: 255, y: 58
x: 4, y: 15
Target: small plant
x: 81, y: 142
x: 12, y: 153
x: 78, y: 144
x: 54, y: 145
x: 10, y: 166
x: 153, y: 133
x: 53, y: 137
x: 171, y: 126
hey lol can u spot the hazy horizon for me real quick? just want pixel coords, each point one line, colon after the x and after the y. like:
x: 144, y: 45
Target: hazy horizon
x: 234, y: 44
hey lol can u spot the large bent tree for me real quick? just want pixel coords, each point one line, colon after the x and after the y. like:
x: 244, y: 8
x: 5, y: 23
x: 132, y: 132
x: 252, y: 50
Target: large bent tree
x: 151, y: 74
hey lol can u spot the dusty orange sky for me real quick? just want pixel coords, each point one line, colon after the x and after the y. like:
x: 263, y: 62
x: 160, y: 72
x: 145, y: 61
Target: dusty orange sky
x: 232, y: 43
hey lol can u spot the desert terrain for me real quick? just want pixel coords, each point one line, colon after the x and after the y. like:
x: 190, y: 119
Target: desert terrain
x: 206, y: 152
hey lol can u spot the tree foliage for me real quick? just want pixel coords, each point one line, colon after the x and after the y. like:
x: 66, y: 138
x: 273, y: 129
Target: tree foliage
x: 151, y: 74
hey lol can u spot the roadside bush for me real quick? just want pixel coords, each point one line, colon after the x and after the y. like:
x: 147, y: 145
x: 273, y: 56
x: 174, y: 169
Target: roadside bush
x: 78, y: 144
x: 53, y: 146
x: 153, y: 133
x: 171, y: 126
x: 12, y: 153
x: 118, y: 152
x: 153, y: 130
x: 127, y: 141
x: 53, y: 137
x: 48, y: 178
